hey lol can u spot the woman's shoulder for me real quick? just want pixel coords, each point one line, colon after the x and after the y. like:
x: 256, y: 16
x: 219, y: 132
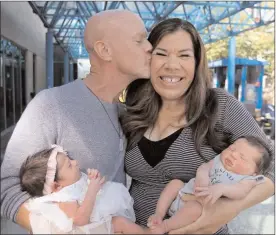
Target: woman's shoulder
x: 224, y: 97
x: 221, y: 93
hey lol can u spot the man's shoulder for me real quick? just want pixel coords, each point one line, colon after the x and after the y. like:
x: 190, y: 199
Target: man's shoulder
x: 55, y: 93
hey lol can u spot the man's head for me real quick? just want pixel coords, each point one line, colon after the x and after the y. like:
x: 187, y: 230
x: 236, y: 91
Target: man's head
x: 116, y: 40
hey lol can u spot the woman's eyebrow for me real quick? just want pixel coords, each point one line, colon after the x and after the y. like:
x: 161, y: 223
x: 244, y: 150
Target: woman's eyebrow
x: 161, y: 49
x: 185, y: 50
x: 182, y: 50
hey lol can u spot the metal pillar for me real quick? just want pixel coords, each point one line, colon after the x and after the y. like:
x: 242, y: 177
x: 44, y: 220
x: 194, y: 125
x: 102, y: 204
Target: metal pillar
x: 29, y: 75
x: 66, y: 67
x: 259, y: 89
x: 3, y: 84
x: 71, y: 71
x: 50, y: 58
x: 243, y: 83
x: 231, y: 65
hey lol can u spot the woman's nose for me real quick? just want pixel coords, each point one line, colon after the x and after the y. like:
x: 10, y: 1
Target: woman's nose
x: 172, y: 63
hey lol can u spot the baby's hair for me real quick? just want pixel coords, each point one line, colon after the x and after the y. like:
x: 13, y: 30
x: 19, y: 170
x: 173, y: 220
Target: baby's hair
x: 33, y: 172
x: 266, y: 158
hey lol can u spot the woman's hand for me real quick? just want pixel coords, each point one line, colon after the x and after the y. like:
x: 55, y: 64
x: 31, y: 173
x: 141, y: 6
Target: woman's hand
x: 154, y: 220
x: 213, y: 217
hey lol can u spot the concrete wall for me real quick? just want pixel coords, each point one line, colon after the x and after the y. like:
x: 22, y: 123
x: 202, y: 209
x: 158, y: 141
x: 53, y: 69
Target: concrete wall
x: 20, y: 25
x: 41, y: 81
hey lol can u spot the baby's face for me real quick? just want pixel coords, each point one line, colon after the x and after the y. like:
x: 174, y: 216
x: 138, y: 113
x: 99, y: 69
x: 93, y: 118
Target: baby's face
x: 68, y: 170
x: 241, y: 158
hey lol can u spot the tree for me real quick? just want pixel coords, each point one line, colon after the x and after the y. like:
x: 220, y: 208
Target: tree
x: 254, y: 44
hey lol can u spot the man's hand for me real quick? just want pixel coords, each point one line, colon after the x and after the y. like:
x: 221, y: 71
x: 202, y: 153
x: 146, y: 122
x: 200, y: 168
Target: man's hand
x: 211, y: 193
x: 213, y: 217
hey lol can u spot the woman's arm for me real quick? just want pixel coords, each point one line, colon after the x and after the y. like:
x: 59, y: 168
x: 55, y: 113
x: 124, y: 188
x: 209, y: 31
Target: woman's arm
x: 236, y: 122
x: 258, y: 194
x: 224, y: 210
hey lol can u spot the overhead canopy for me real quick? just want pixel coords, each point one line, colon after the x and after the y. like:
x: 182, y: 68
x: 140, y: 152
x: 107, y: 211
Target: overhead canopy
x: 214, y: 20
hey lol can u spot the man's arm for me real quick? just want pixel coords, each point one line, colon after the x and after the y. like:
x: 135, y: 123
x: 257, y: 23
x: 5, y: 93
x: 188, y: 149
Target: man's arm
x: 36, y: 130
x: 22, y: 217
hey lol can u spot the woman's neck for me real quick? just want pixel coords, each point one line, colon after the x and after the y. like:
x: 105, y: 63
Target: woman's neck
x: 171, y: 117
x: 172, y: 112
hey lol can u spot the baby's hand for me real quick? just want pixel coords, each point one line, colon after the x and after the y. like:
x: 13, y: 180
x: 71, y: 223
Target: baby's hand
x: 211, y: 193
x: 154, y: 220
x: 96, y: 181
x: 201, y: 181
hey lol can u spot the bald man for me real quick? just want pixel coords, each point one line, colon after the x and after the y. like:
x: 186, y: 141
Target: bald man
x: 81, y: 116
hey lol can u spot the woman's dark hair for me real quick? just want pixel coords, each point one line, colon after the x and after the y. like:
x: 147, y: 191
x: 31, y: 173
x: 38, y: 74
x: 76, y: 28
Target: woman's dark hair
x: 33, y: 173
x: 143, y: 102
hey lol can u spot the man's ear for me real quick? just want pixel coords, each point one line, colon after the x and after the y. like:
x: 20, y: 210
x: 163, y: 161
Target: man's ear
x: 56, y: 186
x: 103, y: 50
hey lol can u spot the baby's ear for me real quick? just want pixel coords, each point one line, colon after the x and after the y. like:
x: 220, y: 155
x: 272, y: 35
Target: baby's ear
x: 56, y: 186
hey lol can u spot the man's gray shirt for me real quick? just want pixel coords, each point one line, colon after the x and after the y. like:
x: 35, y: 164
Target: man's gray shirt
x: 70, y: 116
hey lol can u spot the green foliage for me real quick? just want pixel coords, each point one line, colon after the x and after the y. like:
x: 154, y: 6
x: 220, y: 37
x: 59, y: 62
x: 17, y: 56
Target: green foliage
x: 253, y: 44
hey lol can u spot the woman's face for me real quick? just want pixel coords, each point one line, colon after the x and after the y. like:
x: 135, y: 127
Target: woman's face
x: 173, y: 65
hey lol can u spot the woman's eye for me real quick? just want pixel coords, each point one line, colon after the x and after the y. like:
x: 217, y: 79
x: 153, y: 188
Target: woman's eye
x: 185, y: 55
x: 160, y: 54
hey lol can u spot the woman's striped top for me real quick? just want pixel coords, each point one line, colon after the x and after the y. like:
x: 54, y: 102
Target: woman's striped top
x: 181, y: 159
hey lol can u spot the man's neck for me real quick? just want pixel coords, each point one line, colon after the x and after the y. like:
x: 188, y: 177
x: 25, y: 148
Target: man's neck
x: 107, y: 89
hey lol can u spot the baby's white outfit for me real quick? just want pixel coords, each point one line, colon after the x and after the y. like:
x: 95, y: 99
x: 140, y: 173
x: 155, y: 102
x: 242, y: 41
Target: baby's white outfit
x: 218, y: 174
x: 112, y: 200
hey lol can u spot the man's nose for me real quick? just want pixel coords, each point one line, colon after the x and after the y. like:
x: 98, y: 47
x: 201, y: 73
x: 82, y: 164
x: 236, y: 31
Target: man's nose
x: 74, y: 162
x: 148, y: 47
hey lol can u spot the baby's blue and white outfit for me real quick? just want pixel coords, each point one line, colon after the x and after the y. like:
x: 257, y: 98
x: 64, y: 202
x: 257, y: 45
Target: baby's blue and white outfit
x: 112, y: 200
x: 218, y: 174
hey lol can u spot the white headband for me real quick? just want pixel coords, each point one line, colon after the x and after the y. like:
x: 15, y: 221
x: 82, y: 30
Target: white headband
x: 51, y: 169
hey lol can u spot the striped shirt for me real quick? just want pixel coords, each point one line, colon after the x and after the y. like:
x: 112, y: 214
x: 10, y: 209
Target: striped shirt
x: 182, y: 160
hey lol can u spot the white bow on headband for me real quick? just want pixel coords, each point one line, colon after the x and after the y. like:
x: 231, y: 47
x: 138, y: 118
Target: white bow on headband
x: 51, y: 169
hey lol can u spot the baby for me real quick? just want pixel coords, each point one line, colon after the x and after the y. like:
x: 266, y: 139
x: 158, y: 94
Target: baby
x: 232, y: 174
x: 71, y: 201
